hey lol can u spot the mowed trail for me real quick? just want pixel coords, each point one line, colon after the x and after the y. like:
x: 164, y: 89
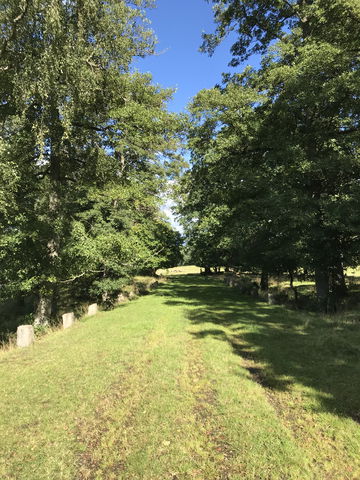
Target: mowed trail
x: 166, y: 387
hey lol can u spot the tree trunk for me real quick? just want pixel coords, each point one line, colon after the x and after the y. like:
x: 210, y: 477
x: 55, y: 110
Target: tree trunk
x: 322, y: 287
x: 338, y: 288
x: 43, y: 310
x: 207, y: 270
x: 54, y: 214
x: 264, y: 282
x: 338, y: 284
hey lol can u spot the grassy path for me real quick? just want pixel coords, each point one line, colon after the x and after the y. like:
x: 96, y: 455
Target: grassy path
x: 189, y: 383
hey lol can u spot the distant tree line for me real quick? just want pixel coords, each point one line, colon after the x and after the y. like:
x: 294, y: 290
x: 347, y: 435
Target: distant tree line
x: 275, y: 180
x: 83, y: 150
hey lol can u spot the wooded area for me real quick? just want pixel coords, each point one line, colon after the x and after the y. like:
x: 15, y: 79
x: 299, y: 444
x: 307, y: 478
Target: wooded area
x: 204, y: 377
x: 275, y: 180
x: 88, y: 150
x: 85, y: 147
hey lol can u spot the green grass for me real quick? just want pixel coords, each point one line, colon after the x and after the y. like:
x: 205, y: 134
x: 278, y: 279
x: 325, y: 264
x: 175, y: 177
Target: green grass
x: 192, y: 382
x: 182, y: 270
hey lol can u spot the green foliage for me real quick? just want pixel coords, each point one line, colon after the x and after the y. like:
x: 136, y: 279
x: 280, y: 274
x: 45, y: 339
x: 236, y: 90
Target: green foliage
x: 83, y: 144
x: 278, y: 149
x: 258, y: 24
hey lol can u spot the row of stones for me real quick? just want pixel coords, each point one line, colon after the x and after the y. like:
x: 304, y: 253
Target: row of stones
x: 25, y: 335
x: 248, y: 287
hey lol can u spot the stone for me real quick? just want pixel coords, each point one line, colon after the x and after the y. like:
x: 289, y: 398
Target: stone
x: 121, y: 298
x: 25, y: 336
x: 271, y: 299
x: 68, y: 320
x: 92, y: 309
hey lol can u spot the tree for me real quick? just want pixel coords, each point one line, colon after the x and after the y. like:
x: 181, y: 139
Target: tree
x: 314, y: 122
x: 231, y: 198
x: 75, y: 122
x: 256, y: 25
x: 307, y: 143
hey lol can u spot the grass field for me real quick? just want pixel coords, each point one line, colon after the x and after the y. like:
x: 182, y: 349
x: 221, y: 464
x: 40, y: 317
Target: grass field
x: 183, y: 270
x: 191, y: 382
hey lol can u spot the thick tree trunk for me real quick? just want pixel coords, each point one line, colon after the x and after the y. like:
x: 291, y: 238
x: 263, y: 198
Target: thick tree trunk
x: 322, y: 287
x: 338, y: 288
x: 43, y: 310
x: 264, y: 282
x: 338, y: 284
x: 207, y: 270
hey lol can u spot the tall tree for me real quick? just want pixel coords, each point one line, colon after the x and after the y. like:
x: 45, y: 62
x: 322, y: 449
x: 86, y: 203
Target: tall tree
x: 74, y: 119
x: 256, y: 25
x: 304, y: 157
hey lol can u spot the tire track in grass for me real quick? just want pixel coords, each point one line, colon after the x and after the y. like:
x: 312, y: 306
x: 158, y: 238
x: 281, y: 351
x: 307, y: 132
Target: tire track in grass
x: 175, y: 439
x: 216, y: 445
x: 156, y: 424
x: 261, y: 447
x: 107, y: 431
x: 142, y: 426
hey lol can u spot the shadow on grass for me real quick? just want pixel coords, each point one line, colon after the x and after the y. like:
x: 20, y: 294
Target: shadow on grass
x: 279, y: 347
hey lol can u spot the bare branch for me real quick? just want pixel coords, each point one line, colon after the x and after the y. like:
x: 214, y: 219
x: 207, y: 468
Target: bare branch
x: 81, y: 275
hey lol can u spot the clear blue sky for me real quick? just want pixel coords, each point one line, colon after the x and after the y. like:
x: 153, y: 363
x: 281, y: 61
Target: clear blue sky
x: 178, y: 25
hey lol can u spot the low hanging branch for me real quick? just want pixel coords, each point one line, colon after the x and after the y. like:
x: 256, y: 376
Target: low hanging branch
x: 70, y: 280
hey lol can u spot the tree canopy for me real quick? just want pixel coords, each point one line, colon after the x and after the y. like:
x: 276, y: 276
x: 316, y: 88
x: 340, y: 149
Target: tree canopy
x: 83, y: 144
x: 275, y: 152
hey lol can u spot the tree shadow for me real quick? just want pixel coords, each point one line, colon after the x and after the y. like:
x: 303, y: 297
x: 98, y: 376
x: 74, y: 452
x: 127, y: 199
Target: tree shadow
x: 279, y: 347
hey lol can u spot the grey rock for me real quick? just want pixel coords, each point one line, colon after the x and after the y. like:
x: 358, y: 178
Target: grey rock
x: 121, y: 298
x: 25, y: 336
x: 271, y: 299
x: 92, y: 309
x: 68, y: 320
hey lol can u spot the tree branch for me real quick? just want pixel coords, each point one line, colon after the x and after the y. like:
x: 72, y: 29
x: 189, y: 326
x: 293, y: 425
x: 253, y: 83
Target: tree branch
x: 92, y: 127
x: 13, y: 31
x: 81, y: 275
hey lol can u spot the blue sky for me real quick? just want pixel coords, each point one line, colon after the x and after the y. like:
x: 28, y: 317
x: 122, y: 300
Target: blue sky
x: 178, y: 25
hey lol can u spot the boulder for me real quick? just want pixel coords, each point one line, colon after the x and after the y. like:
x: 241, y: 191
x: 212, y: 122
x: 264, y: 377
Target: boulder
x: 25, y: 336
x: 68, y: 320
x: 121, y: 298
x: 92, y: 309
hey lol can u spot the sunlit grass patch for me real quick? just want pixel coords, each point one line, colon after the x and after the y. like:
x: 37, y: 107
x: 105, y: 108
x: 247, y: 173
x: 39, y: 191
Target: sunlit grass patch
x: 353, y: 272
x: 182, y: 270
x: 192, y: 382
